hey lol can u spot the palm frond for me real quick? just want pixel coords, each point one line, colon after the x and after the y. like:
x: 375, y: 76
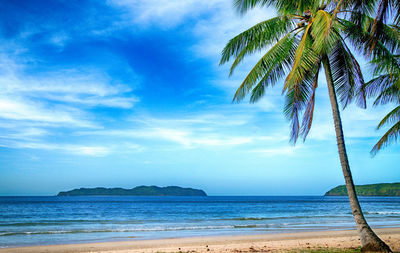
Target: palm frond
x: 376, y: 30
x: 377, y: 85
x: 301, y: 96
x: 270, y: 67
x: 352, y: 8
x: 324, y: 32
x: 360, y: 36
x: 392, y: 117
x: 363, y: 7
x: 282, y: 6
x: 242, y: 6
x: 396, y: 6
x: 255, y: 39
x: 347, y: 75
x: 269, y: 79
x: 389, y: 95
x: 385, y: 61
x: 391, y: 135
x: 309, y: 111
x: 304, y: 60
x: 296, y: 99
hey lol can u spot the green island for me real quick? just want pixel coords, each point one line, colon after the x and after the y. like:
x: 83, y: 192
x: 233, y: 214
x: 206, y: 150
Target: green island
x: 137, y: 191
x: 385, y: 189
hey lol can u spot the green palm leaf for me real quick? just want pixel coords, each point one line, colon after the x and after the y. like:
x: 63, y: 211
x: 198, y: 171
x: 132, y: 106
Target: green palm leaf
x: 392, y: 134
x: 360, y: 36
x: 255, y: 39
x: 297, y: 98
x: 324, y: 32
x: 309, y: 111
x: 304, y: 60
x: 282, y: 6
x: 269, y: 68
x: 347, y: 76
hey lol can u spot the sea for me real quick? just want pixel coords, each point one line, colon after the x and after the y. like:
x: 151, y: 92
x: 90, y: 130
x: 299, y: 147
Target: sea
x: 26, y: 221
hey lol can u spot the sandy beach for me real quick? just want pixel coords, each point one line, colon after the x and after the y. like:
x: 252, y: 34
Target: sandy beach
x: 247, y: 243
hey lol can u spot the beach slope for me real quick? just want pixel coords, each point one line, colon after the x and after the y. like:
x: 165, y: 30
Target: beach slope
x: 248, y: 243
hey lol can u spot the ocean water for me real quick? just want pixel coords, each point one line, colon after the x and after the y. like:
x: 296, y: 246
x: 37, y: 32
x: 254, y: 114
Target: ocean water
x: 59, y: 220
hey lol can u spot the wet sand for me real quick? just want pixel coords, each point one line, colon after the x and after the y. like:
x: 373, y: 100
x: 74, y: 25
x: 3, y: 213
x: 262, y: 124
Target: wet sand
x: 246, y: 243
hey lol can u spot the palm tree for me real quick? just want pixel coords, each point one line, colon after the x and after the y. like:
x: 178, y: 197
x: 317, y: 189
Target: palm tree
x: 384, y: 8
x: 381, y: 42
x: 381, y: 9
x: 305, y: 37
x: 386, y: 88
x: 385, y: 54
x: 390, y: 92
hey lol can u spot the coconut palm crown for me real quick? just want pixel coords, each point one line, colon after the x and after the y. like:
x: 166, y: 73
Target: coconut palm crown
x: 298, y: 43
x: 305, y: 37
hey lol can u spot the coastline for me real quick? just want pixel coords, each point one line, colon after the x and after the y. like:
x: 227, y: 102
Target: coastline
x: 236, y: 243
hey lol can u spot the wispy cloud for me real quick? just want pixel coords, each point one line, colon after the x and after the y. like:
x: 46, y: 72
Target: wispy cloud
x: 96, y: 151
x: 188, y: 138
x: 165, y: 13
x: 25, y: 110
x: 87, y: 86
x: 26, y: 134
x: 65, y: 97
x: 278, y: 151
x: 190, y: 132
x: 32, y: 107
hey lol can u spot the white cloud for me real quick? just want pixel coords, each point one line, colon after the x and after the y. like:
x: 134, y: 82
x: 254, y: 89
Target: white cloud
x: 59, y: 39
x: 67, y: 95
x: 89, y: 150
x: 215, y: 22
x: 93, y: 101
x: 33, y: 107
x: 219, y: 118
x: 95, y: 151
x: 202, y: 130
x: 29, y: 133
x: 227, y: 141
x: 194, y: 138
x: 284, y: 150
x: 132, y: 147
x: 165, y: 13
x: 86, y: 86
x: 187, y: 137
x: 23, y: 110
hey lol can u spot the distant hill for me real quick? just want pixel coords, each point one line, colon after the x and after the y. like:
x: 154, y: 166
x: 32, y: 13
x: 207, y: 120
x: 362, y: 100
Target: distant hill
x: 368, y: 190
x: 137, y: 191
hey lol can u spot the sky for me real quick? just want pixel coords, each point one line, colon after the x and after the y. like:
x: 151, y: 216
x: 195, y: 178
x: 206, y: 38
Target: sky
x: 123, y: 93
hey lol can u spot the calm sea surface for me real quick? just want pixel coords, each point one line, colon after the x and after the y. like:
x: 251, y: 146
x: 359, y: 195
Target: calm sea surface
x: 60, y: 220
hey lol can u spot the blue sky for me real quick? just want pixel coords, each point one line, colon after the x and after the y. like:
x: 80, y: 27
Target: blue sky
x: 126, y: 93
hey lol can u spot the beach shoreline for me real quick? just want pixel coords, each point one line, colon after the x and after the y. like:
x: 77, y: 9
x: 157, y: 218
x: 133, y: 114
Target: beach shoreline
x: 279, y: 242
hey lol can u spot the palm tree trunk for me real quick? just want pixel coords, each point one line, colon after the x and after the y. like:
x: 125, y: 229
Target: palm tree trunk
x: 369, y: 240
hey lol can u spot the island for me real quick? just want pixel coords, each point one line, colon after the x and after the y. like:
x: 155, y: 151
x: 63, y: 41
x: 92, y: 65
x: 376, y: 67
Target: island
x: 137, y: 191
x: 385, y: 189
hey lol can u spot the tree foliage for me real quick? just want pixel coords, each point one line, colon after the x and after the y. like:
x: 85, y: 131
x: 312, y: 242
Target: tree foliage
x: 295, y: 42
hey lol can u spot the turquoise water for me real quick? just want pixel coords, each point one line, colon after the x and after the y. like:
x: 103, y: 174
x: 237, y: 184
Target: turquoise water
x: 59, y: 220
